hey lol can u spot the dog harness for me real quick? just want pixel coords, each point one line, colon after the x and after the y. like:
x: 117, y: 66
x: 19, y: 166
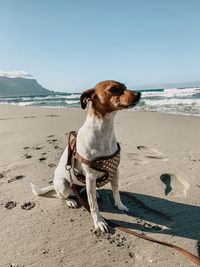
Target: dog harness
x: 108, y: 165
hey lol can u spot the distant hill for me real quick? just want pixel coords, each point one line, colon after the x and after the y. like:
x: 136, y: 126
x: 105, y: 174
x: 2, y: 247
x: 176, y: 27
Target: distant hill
x: 21, y: 87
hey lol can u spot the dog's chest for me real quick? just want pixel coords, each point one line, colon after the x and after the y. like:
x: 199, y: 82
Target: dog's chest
x: 107, y: 165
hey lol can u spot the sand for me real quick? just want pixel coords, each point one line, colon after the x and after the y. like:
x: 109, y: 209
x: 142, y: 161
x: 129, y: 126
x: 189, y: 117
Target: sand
x: 160, y: 169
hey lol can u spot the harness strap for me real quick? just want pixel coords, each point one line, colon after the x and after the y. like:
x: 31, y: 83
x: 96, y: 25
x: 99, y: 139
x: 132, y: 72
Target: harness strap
x: 82, y: 160
x: 72, y: 153
x: 184, y: 252
x: 71, y: 147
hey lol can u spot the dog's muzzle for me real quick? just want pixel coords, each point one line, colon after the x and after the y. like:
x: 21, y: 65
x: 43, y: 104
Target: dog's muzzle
x: 137, y: 99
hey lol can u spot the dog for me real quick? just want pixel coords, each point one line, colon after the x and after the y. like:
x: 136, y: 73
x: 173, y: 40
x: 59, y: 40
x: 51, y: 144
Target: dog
x: 95, y: 139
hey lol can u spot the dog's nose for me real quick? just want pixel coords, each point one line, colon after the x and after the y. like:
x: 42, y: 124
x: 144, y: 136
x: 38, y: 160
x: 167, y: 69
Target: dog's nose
x: 138, y: 96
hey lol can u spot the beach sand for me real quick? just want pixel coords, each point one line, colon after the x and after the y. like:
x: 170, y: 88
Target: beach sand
x: 160, y: 168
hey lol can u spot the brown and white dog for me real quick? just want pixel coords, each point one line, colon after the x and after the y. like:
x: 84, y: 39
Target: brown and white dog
x: 95, y: 139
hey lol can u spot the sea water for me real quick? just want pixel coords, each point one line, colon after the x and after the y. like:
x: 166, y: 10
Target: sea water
x: 174, y: 100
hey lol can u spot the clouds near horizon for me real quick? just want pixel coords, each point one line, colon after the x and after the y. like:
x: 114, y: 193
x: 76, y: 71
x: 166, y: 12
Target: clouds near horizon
x: 16, y: 73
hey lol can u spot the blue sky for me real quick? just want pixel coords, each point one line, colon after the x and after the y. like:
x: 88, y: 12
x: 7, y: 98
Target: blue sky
x: 69, y: 45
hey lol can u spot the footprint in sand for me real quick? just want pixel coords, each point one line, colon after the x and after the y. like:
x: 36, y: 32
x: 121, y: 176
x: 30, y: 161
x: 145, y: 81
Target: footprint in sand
x: 37, y: 147
x: 52, y: 165
x: 151, y: 153
x: 16, y: 178
x: 50, y: 136
x: 52, y: 141
x: 2, y: 175
x: 42, y: 159
x: 27, y: 156
x: 136, y: 158
x: 29, y: 117
x: 26, y: 147
x: 2, y: 119
x: 174, y: 184
x: 10, y: 205
x: 28, y: 205
x: 53, y: 115
x: 13, y: 265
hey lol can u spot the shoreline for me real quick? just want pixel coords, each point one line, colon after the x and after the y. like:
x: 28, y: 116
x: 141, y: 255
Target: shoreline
x: 159, y: 168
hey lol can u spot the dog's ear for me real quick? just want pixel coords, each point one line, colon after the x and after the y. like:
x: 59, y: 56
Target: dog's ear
x: 86, y: 96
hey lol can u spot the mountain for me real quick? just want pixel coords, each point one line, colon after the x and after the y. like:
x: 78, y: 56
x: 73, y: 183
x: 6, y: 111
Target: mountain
x: 21, y: 87
x: 168, y: 85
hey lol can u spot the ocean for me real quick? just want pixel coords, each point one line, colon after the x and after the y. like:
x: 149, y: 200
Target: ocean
x: 184, y: 101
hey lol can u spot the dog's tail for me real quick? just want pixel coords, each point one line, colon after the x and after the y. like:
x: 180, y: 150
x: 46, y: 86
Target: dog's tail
x: 41, y: 191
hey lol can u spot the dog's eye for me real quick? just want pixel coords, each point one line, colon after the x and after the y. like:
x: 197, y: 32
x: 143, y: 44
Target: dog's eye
x: 115, y: 90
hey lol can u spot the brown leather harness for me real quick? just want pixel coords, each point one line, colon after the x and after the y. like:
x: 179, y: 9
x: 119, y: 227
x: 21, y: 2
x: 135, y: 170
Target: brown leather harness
x: 107, y: 165
x: 73, y: 155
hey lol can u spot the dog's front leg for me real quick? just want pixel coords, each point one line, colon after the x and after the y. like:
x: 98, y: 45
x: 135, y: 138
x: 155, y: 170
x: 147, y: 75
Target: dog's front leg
x: 99, y: 222
x: 116, y: 195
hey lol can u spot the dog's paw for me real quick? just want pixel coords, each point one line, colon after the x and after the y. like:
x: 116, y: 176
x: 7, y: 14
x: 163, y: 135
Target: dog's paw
x: 99, y: 222
x: 101, y: 225
x: 122, y: 207
x: 71, y: 203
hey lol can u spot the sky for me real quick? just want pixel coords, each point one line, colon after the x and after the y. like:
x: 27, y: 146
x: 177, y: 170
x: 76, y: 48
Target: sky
x: 70, y: 45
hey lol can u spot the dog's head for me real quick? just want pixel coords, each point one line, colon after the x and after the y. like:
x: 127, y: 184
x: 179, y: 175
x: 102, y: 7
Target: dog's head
x: 109, y: 96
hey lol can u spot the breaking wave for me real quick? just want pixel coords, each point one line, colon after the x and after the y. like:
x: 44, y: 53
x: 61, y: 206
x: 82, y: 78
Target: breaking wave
x: 172, y: 100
